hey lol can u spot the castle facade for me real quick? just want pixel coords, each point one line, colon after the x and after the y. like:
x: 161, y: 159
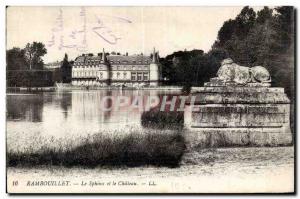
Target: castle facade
x: 116, y: 70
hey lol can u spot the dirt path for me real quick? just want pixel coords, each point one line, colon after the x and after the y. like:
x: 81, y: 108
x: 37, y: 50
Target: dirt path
x: 210, y: 170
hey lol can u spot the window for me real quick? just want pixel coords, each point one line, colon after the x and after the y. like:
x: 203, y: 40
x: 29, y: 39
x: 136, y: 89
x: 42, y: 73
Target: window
x: 139, y: 76
x: 133, y: 76
x: 101, y: 75
x: 145, y: 77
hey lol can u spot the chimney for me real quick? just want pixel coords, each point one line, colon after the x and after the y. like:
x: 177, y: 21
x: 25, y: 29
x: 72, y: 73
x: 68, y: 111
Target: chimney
x: 103, y: 58
x: 154, y: 56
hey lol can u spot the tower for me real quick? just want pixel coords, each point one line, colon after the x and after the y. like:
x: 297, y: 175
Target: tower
x: 105, y: 72
x: 103, y: 57
x: 154, y: 70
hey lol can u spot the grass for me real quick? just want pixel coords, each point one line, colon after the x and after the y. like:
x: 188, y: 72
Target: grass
x: 133, y: 149
x: 163, y: 120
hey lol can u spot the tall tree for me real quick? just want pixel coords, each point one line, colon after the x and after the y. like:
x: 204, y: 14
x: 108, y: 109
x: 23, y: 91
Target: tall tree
x: 33, y: 54
x: 15, y: 59
x: 265, y: 38
x: 66, y: 70
x: 264, y: 15
x: 244, y: 22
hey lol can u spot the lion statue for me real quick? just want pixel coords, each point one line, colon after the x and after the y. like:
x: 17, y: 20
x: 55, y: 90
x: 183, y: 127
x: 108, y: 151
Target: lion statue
x: 232, y: 72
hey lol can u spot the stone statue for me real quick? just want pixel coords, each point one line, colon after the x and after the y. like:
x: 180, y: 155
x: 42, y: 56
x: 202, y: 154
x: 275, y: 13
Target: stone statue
x: 232, y: 72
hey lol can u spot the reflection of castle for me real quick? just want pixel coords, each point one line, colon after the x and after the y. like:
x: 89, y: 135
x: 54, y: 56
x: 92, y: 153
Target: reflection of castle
x: 116, y: 70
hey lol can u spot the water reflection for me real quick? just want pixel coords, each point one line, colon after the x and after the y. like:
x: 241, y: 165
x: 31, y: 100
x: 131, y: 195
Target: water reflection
x: 25, y: 107
x: 76, y: 112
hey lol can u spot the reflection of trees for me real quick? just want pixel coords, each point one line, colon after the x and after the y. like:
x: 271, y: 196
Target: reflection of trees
x: 25, y: 107
x: 86, y: 105
x: 66, y: 102
x: 107, y: 105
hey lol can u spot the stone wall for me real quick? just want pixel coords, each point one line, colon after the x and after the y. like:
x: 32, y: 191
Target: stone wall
x: 235, y: 115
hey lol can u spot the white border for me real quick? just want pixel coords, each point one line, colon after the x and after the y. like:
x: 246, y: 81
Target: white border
x: 3, y: 3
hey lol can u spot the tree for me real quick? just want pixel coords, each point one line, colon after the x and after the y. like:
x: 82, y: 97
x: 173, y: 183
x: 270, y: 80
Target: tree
x: 15, y: 59
x: 264, y: 15
x: 33, y: 54
x: 66, y: 70
x: 244, y: 22
x: 191, y: 68
x: 226, y: 31
x: 265, y: 39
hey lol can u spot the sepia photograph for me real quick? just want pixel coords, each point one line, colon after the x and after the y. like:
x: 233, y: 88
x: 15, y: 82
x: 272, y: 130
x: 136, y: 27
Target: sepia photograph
x: 150, y: 99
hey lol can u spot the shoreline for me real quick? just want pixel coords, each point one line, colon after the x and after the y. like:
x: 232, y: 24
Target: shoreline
x: 69, y: 88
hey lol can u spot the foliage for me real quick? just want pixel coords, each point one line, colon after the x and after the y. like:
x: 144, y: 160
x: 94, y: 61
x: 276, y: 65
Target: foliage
x: 33, y: 54
x: 191, y: 68
x: 157, y: 119
x: 265, y: 37
x: 15, y: 59
x: 29, y: 78
x: 24, y: 67
x: 66, y: 70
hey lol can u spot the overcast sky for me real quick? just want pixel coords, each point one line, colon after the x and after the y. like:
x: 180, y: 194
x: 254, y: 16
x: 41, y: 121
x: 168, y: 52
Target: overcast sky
x: 77, y: 30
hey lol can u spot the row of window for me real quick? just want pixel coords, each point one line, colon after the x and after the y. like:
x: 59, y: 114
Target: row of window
x: 92, y: 62
x: 135, y: 76
x: 119, y: 67
x: 133, y: 61
x: 86, y: 73
x: 88, y: 66
x: 139, y: 76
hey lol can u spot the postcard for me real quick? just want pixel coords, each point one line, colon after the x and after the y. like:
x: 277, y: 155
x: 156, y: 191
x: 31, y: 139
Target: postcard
x: 150, y: 100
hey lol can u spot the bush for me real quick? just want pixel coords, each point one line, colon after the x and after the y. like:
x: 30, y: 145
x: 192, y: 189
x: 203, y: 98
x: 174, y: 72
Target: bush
x: 163, y: 120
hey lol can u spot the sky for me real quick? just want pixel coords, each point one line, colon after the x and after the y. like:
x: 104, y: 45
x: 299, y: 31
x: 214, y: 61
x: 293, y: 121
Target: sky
x: 135, y: 30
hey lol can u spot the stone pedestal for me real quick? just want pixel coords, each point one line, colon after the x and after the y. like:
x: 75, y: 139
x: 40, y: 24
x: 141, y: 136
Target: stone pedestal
x: 227, y: 114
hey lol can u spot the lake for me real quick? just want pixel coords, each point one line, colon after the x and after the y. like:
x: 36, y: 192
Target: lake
x: 70, y: 114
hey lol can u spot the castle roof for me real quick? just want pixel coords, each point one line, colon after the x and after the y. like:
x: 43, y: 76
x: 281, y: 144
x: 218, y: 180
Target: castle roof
x: 117, y: 59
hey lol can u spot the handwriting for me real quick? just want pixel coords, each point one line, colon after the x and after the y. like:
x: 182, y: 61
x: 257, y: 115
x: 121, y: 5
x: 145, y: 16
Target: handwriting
x: 105, y: 33
x: 78, y: 37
